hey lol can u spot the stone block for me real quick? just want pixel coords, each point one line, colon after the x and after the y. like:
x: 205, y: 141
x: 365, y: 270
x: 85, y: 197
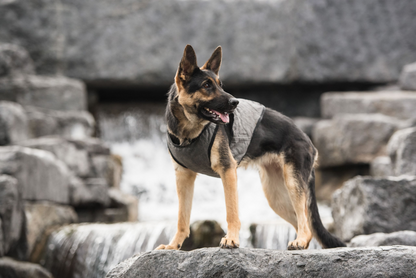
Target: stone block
x: 381, y: 239
x: 407, y: 79
x: 15, y: 60
x: 13, y: 123
x: 402, y: 151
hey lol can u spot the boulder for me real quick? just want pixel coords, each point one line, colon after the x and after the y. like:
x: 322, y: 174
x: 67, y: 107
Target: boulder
x: 10, y: 268
x: 367, y: 205
x: 67, y: 124
x: 41, y: 217
x: 76, y: 159
x: 353, y: 138
x: 14, y: 60
x: 397, y: 261
x: 407, y: 79
x: 391, y: 103
x: 93, y: 146
x: 38, y: 172
x: 381, y: 239
x: 125, y: 201
x: 126, y: 41
x: 11, y: 213
x: 207, y: 233
x: 305, y: 124
x: 13, y: 123
x: 55, y: 93
x: 381, y: 167
x: 402, y: 151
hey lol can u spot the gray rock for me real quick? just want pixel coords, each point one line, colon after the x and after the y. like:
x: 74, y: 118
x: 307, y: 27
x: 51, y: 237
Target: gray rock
x: 381, y: 239
x: 13, y: 123
x: 306, y: 124
x: 319, y: 40
x: 68, y: 124
x: 408, y: 78
x: 402, y: 151
x: 76, y: 159
x: 14, y: 60
x: 395, y: 261
x: 40, y: 174
x: 353, y: 138
x: 391, y: 103
x: 10, y: 268
x: 41, y: 217
x: 56, y: 93
x: 106, y: 167
x: 381, y: 167
x: 125, y: 201
x: 367, y: 205
x: 11, y: 213
x: 93, y: 146
x: 91, y: 192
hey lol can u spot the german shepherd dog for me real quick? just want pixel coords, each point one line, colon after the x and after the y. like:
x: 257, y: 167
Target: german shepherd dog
x: 284, y: 155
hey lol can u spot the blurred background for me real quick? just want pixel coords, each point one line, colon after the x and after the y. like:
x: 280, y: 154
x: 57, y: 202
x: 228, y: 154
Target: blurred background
x: 85, y: 176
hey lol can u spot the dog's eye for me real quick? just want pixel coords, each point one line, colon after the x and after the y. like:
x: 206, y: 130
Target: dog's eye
x: 207, y: 85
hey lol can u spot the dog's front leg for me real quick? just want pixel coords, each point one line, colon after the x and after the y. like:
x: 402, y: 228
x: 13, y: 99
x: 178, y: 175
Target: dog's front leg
x: 185, y: 180
x: 224, y: 164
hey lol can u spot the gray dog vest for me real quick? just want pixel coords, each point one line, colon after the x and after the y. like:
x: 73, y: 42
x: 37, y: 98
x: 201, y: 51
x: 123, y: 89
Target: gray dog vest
x: 197, y: 155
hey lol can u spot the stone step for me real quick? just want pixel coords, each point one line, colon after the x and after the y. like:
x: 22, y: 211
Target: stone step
x: 215, y: 262
x: 397, y: 104
x: 367, y: 205
x: 56, y: 93
x: 354, y: 138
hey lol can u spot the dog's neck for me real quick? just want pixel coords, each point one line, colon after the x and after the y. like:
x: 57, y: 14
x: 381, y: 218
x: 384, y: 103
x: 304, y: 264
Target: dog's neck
x: 178, y: 124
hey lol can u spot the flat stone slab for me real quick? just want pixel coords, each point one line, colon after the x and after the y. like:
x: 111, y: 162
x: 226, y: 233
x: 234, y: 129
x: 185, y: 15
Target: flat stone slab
x: 395, y: 261
x: 382, y: 239
x: 397, y: 104
x: 126, y: 42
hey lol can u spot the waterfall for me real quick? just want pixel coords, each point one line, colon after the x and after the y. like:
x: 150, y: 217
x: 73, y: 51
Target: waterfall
x: 91, y: 250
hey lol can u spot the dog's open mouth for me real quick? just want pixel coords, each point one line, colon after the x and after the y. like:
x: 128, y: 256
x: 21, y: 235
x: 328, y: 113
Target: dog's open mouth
x: 216, y: 116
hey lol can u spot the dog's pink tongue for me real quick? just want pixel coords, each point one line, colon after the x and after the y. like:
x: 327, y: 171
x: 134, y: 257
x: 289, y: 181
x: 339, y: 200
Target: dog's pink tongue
x: 224, y: 117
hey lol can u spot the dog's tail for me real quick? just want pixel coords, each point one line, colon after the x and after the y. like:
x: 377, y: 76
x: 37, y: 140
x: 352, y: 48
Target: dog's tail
x: 321, y: 234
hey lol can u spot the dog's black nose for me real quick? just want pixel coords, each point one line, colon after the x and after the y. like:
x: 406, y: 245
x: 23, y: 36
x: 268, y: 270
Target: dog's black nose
x: 233, y: 102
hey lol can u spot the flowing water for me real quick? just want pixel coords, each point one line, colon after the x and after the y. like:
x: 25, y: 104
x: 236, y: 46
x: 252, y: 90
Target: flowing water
x: 137, y: 133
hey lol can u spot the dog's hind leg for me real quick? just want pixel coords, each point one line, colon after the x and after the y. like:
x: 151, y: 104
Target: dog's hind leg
x: 185, y: 180
x: 299, y: 194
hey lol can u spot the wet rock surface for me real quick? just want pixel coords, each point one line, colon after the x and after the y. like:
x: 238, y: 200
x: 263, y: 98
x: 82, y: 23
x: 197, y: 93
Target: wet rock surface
x: 368, y: 205
x: 397, y: 261
x: 351, y: 41
x: 381, y: 239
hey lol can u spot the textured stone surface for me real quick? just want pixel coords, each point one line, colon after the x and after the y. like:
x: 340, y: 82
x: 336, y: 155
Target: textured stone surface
x: 353, y: 138
x: 11, y: 213
x: 40, y: 174
x: 125, y: 201
x: 275, y: 41
x: 402, y: 151
x: 408, y: 78
x: 381, y: 167
x: 91, y: 192
x: 68, y: 124
x: 56, y: 93
x: 391, y: 103
x: 395, y: 261
x: 76, y: 159
x: 10, y: 268
x: 368, y: 205
x: 382, y: 239
x: 41, y: 217
x: 14, y: 60
x: 13, y: 123
x: 306, y: 124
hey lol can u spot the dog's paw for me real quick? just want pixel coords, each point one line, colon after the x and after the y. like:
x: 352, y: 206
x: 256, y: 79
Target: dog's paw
x: 229, y: 242
x: 167, y: 247
x: 297, y: 245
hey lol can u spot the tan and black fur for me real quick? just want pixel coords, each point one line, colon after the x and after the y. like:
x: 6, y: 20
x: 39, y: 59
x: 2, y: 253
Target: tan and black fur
x: 283, y: 154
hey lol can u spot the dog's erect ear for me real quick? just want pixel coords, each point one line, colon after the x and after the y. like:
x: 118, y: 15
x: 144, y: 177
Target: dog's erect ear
x: 214, y: 63
x: 188, y: 64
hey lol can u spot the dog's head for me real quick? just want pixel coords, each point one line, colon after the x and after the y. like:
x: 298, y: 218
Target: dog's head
x: 200, y: 90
